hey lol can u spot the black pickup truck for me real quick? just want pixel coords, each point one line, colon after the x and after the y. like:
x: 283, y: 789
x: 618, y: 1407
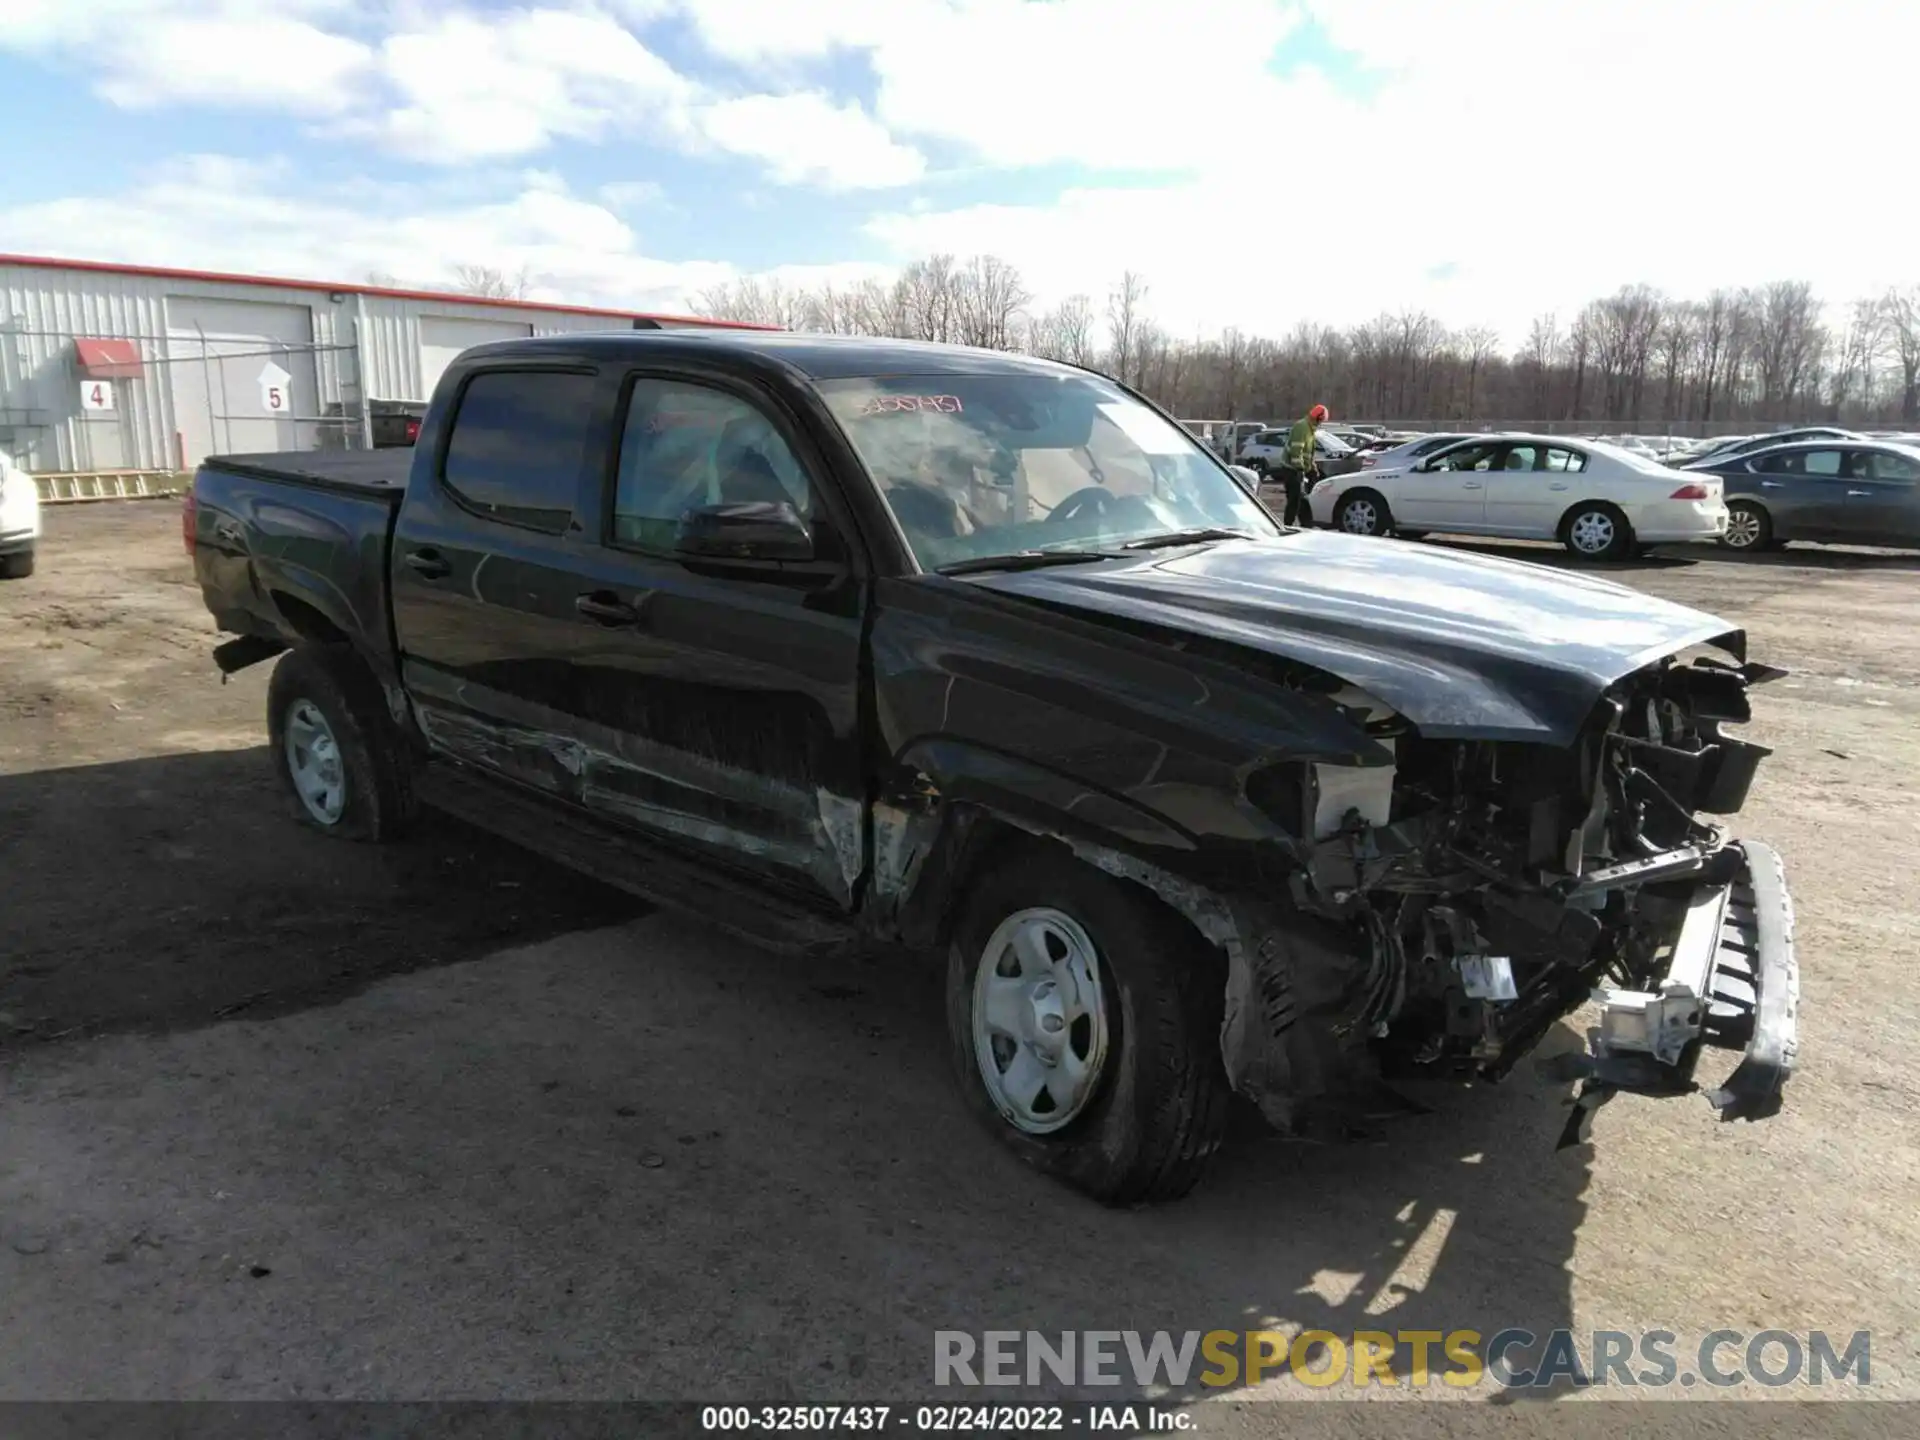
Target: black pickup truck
x: 841, y: 641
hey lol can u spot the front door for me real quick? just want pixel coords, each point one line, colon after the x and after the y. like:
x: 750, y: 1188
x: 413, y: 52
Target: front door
x: 1882, y: 499
x: 717, y: 708
x: 1529, y: 487
x: 1447, y: 491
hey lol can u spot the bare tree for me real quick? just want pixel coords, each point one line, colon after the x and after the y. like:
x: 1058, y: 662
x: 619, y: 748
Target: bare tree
x: 1902, y: 308
x: 1737, y: 356
x: 1478, y: 345
x: 989, y: 300
x: 1857, y: 357
x: 1126, y: 308
x: 492, y: 283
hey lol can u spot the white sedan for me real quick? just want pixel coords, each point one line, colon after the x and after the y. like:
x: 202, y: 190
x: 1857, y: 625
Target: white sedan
x: 19, y: 521
x: 1598, y: 500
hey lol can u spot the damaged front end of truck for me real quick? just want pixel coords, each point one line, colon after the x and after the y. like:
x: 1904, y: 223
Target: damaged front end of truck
x: 1453, y: 899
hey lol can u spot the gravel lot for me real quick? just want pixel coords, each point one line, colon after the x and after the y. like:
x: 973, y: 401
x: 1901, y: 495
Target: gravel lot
x: 286, y: 1118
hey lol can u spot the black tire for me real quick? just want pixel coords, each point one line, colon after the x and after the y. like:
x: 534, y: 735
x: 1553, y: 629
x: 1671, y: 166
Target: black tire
x: 1576, y: 524
x: 1755, y: 534
x: 376, y: 771
x: 1411, y: 534
x: 17, y: 566
x: 1162, y: 1098
x: 1353, y: 508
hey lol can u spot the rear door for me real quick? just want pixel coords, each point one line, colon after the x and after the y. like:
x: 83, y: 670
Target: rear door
x: 1446, y: 490
x: 485, y: 553
x: 716, y: 706
x: 1882, y: 499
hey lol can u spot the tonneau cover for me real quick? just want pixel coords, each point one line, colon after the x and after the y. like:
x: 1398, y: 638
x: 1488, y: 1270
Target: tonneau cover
x: 371, y: 472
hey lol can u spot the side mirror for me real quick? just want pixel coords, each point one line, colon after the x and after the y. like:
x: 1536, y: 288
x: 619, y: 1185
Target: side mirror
x: 744, y: 530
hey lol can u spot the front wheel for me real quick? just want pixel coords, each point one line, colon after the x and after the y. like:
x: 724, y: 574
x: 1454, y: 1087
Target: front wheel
x: 335, y: 747
x: 17, y: 566
x: 1748, y: 527
x: 1084, y: 1025
x: 1362, y: 513
x: 1597, y: 531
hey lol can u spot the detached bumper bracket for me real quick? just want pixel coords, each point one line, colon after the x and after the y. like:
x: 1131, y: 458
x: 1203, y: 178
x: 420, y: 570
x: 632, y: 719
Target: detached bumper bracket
x: 1733, y: 979
x: 1753, y: 1091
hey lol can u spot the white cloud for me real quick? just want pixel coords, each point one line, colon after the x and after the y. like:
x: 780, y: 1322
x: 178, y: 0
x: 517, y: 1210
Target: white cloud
x: 476, y: 87
x: 142, y: 54
x: 808, y: 139
x: 1508, y: 156
x: 218, y: 213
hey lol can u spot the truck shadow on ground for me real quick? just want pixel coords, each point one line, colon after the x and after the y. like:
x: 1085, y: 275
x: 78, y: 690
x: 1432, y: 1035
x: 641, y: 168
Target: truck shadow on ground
x: 638, y: 1161
x: 176, y: 890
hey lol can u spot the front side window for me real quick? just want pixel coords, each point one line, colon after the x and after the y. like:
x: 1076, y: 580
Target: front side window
x: 684, y: 446
x: 1468, y: 457
x: 982, y: 466
x: 517, y: 444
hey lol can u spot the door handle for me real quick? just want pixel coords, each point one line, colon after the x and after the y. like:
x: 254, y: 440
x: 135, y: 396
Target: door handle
x: 1558, y: 485
x: 1470, y: 485
x: 428, y: 564
x: 603, y: 607
x: 1772, y: 484
x: 1862, y: 493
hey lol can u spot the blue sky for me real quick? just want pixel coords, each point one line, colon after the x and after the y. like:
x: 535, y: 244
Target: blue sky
x: 1261, y: 162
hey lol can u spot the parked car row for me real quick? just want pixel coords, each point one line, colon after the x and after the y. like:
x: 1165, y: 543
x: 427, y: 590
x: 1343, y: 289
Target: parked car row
x: 1605, y: 500
x: 1600, y: 501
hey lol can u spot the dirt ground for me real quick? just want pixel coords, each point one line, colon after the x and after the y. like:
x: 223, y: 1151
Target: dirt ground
x: 287, y: 1118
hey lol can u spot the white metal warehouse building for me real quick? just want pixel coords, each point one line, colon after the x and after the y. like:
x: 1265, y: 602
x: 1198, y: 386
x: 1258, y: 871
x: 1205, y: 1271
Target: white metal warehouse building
x: 134, y: 368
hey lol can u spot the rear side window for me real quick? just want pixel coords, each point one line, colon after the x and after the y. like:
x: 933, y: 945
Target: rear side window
x: 517, y: 444
x: 1821, y: 462
x: 1888, y: 466
x: 1558, y: 459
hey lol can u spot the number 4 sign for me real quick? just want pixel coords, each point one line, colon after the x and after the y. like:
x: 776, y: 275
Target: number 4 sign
x: 96, y: 395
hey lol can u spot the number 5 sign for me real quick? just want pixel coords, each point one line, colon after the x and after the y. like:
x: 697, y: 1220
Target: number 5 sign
x: 274, y: 396
x: 96, y: 395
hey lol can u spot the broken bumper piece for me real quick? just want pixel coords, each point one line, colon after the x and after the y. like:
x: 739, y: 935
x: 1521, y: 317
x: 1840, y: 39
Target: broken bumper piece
x: 1732, y: 983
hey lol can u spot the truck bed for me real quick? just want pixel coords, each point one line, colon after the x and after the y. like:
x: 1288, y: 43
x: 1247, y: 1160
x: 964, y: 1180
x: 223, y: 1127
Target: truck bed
x: 358, y: 472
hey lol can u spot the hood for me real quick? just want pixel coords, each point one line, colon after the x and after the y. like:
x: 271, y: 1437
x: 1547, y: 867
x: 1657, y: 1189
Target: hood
x: 1462, y: 645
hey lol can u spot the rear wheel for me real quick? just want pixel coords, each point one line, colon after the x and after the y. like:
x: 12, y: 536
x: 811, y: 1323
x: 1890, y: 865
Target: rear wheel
x: 1749, y: 527
x: 1595, y: 530
x: 335, y: 747
x: 1364, y: 512
x: 1084, y: 1025
x: 17, y: 566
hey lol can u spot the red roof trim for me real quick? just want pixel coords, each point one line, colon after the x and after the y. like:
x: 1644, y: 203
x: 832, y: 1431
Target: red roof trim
x: 161, y: 272
x: 108, y: 359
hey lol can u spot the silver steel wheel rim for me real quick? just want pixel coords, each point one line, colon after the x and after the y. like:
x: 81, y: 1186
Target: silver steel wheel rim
x: 1039, y: 1020
x: 1359, y: 518
x: 313, y: 760
x: 1592, y: 532
x: 1743, y: 529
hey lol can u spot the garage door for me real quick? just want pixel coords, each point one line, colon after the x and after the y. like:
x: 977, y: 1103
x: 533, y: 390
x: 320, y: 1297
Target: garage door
x: 442, y: 337
x: 218, y: 354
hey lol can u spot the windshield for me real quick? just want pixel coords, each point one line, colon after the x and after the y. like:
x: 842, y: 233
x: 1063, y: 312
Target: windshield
x: 976, y: 466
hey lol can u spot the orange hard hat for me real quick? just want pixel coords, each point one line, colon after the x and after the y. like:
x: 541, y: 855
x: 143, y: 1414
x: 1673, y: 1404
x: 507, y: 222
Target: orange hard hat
x: 1317, y: 414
